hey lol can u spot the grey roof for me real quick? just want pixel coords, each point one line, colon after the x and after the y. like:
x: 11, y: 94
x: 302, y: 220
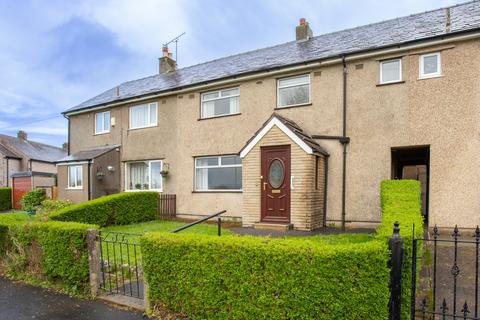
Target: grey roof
x: 88, y: 153
x: 8, y: 153
x: 31, y: 149
x: 295, y: 128
x: 464, y: 17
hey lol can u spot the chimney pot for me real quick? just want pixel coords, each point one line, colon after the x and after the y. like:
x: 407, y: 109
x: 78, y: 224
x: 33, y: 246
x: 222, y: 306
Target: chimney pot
x: 65, y: 146
x: 22, y: 135
x: 303, y: 31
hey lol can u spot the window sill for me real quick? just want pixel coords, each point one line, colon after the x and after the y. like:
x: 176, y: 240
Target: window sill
x: 145, y: 190
x: 430, y: 77
x: 73, y: 189
x: 101, y: 133
x: 294, y: 106
x: 389, y: 83
x: 218, y: 191
x: 138, y: 128
x: 222, y: 116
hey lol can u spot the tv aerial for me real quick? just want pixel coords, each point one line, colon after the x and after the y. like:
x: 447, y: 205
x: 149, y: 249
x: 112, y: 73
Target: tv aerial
x: 175, y: 40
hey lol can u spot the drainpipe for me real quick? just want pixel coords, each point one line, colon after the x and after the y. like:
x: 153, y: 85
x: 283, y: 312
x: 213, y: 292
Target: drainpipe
x: 344, y: 141
x: 68, y: 134
x: 89, y: 191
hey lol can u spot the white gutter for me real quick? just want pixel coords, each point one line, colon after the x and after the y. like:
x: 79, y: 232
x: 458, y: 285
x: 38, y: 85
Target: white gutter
x: 308, y: 65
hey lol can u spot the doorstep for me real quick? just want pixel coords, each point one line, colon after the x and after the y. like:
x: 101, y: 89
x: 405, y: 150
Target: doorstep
x: 273, y: 226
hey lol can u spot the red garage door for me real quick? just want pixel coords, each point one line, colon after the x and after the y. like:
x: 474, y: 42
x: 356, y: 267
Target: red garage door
x: 21, y: 185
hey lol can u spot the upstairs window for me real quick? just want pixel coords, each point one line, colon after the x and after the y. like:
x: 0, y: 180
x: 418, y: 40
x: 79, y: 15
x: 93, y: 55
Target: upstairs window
x: 220, y: 173
x: 430, y: 65
x: 220, y: 103
x: 102, y: 122
x: 144, y: 175
x: 75, y: 177
x: 293, y: 91
x: 391, y: 71
x: 144, y: 115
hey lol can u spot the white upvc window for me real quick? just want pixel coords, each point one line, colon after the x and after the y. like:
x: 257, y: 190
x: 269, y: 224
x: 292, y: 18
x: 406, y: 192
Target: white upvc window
x: 430, y: 65
x: 293, y: 91
x: 102, y: 122
x: 391, y: 71
x: 218, y: 173
x: 75, y: 177
x: 143, y: 116
x: 144, y: 175
x: 220, y: 103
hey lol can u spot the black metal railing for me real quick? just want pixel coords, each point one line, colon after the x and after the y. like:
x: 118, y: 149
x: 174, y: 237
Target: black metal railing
x: 219, y: 222
x: 121, y: 264
x: 452, y: 273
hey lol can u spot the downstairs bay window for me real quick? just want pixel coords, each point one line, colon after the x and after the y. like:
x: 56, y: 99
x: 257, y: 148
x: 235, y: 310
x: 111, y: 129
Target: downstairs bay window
x: 218, y: 173
x: 144, y: 175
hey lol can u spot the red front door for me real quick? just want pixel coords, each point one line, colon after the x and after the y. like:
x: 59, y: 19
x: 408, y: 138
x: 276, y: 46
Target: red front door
x: 21, y: 185
x: 275, y: 184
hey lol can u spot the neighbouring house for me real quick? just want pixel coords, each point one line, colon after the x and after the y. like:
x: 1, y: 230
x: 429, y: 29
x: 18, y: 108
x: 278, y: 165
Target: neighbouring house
x: 300, y: 134
x: 26, y: 164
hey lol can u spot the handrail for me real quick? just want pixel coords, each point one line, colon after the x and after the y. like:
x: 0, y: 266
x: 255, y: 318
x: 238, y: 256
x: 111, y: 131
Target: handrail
x: 219, y: 222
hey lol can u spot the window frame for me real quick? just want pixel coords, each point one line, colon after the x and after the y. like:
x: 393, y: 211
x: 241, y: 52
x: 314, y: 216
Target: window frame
x: 294, y: 85
x: 219, y: 165
x: 76, y: 186
x: 400, y: 73
x: 149, y: 125
x: 103, y: 122
x: 219, y: 98
x: 421, y: 66
x: 149, y: 176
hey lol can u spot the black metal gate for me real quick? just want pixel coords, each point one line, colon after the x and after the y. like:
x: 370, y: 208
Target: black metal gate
x: 121, y: 264
x: 445, y: 275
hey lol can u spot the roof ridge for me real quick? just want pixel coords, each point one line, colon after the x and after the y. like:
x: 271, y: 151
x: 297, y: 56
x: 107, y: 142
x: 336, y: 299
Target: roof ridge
x: 30, y: 141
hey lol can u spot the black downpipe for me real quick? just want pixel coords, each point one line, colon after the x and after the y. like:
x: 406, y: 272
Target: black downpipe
x: 344, y: 142
x: 68, y: 135
x: 89, y: 191
x: 325, y: 194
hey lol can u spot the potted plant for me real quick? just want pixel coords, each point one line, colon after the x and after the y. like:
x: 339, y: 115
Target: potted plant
x: 100, y: 175
x: 164, y: 172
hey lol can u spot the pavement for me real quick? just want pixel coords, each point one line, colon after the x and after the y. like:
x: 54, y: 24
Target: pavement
x: 19, y: 301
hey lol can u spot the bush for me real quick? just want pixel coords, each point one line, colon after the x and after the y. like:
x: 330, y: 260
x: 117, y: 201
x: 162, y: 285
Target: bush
x: 400, y: 201
x: 232, y: 277
x: 49, y: 206
x: 116, y: 209
x: 5, y: 199
x: 46, y: 251
x: 33, y: 199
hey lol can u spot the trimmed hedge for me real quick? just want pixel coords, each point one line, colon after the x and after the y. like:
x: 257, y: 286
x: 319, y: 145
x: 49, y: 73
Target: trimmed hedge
x: 400, y: 201
x: 232, y: 277
x: 5, y: 198
x: 116, y: 209
x: 46, y: 251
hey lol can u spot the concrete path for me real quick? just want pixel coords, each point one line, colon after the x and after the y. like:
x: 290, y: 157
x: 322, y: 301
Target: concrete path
x: 20, y: 302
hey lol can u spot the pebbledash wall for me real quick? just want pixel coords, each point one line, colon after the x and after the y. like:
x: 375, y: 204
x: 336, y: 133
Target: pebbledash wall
x: 442, y: 112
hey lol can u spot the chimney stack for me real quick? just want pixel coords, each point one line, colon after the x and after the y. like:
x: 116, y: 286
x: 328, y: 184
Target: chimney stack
x: 303, y: 31
x: 22, y: 135
x: 65, y: 146
x: 166, y: 63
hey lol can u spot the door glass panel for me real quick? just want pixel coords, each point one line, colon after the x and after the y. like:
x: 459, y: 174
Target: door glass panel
x: 276, y: 174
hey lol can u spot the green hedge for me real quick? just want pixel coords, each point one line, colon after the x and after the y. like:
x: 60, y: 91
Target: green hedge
x: 116, y: 209
x: 46, y: 251
x: 232, y: 277
x: 400, y: 201
x: 5, y: 198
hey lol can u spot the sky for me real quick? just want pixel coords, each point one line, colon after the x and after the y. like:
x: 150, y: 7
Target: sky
x: 57, y: 54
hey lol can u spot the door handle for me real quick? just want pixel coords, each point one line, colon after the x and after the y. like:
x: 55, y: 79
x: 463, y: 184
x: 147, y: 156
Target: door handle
x: 264, y: 185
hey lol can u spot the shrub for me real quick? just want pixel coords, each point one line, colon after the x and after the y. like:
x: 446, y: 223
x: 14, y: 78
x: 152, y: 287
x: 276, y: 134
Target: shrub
x: 46, y: 251
x: 49, y: 206
x: 116, y: 209
x: 231, y: 277
x: 400, y: 201
x: 5, y: 199
x: 32, y: 199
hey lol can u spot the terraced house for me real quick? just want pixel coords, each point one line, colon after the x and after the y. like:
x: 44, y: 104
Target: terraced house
x: 300, y: 134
